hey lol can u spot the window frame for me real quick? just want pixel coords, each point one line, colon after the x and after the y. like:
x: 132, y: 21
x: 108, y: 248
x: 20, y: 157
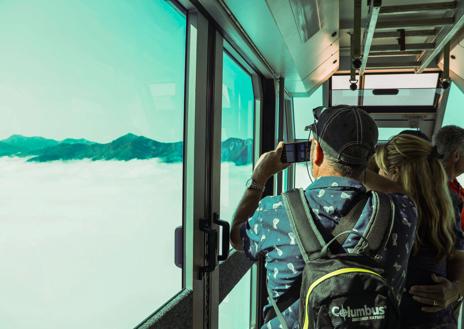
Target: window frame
x: 236, y: 259
x: 392, y: 108
x: 200, y: 297
x: 196, y: 181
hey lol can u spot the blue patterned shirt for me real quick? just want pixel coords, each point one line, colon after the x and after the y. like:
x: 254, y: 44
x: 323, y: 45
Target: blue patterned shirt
x: 268, y: 232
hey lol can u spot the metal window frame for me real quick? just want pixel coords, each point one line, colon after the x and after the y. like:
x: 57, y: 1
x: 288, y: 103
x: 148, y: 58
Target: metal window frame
x: 183, y: 300
x: 267, y: 139
x: 289, y: 135
x: 392, y: 108
x: 255, y: 317
x: 227, y: 280
x: 201, y: 294
x: 188, y: 308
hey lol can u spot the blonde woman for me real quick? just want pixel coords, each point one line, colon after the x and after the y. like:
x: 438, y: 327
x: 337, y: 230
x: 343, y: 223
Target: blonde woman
x: 434, y: 281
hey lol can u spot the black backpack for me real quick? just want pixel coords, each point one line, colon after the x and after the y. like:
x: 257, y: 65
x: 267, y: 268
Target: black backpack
x: 338, y: 289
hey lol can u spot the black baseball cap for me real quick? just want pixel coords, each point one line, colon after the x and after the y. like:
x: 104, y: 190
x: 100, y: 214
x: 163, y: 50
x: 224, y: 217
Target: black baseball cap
x: 347, y: 133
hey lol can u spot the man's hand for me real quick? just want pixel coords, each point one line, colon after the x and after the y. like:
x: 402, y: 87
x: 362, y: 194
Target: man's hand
x: 436, y: 297
x: 269, y: 164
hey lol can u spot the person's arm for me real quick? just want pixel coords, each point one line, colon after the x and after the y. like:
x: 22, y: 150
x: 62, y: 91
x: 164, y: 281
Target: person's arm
x: 446, y: 291
x: 456, y: 270
x: 245, y: 210
x: 376, y: 182
x: 268, y: 164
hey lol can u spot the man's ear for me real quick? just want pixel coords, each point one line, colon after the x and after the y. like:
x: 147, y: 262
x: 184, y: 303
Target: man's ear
x: 318, y: 154
x: 455, y: 156
x: 458, y: 155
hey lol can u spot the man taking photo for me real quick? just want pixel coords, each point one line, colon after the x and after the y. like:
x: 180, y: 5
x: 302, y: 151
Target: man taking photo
x: 343, y: 141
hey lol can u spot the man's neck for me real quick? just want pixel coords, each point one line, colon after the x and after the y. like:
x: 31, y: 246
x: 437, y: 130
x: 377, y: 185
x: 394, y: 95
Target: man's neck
x: 329, y: 171
x: 449, y: 168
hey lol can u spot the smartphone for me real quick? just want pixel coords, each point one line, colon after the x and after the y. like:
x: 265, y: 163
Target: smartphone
x: 296, y: 152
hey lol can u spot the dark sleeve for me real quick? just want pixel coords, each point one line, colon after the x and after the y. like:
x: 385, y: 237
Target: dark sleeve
x: 401, y: 241
x: 459, y: 244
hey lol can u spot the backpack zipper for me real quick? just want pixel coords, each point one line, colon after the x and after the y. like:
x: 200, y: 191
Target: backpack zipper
x: 328, y: 276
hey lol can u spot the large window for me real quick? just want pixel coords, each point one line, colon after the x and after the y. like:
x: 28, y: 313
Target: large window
x: 405, y: 90
x: 454, y: 112
x: 385, y: 133
x: 91, y: 173
x: 236, y: 167
x: 303, y: 116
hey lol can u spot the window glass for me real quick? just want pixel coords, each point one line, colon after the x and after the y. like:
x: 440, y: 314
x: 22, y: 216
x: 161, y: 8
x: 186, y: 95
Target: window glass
x: 348, y: 97
x: 303, y: 176
x: 385, y: 133
x: 454, y: 112
x: 234, y: 311
x: 91, y: 173
x: 401, y: 81
x: 341, y: 82
x: 403, y: 97
x: 236, y: 167
x: 340, y: 91
x: 237, y: 135
x: 412, y: 90
x: 303, y: 114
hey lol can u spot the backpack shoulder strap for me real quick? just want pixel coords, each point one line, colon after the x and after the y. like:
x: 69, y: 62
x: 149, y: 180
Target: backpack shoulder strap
x: 284, y: 301
x: 307, y: 235
x: 348, y: 222
x: 380, y: 226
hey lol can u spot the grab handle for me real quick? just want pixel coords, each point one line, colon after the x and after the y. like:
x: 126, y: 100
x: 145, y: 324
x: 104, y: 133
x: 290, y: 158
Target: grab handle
x: 224, y: 237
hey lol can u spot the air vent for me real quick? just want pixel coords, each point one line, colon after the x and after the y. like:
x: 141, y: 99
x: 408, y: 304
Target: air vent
x: 307, y: 18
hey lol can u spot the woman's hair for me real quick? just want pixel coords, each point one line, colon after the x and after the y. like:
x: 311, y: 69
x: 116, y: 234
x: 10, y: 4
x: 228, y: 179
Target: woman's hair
x: 372, y: 164
x: 415, y: 164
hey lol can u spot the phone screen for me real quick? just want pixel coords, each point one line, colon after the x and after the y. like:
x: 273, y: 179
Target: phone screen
x: 296, y: 152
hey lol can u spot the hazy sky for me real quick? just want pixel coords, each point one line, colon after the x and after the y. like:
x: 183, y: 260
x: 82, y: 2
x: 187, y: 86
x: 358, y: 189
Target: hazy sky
x: 237, y: 101
x: 92, y: 69
x: 100, y: 69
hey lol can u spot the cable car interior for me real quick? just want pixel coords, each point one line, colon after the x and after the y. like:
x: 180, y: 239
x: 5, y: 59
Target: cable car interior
x: 130, y: 129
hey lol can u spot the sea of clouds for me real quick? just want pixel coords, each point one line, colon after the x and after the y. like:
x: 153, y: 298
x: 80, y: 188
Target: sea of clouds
x: 89, y: 244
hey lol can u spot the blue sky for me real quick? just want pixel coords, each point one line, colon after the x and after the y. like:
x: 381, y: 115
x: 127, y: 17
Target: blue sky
x: 92, y: 69
x: 237, y: 101
x: 100, y: 69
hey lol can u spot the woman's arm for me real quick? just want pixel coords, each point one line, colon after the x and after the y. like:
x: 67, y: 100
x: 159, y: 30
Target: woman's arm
x: 445, y: 291
x: 456, y: 270
x: 375, y: 182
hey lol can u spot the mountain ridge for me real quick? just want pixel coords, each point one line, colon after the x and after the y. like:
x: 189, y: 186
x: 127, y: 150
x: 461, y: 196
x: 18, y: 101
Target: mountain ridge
x: 123, y: 148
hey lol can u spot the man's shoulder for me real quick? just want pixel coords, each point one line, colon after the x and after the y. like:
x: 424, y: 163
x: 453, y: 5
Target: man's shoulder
x: 401, y: 199
x: 405, y: 209
x: 272, y: 202
x: 270, y: 210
